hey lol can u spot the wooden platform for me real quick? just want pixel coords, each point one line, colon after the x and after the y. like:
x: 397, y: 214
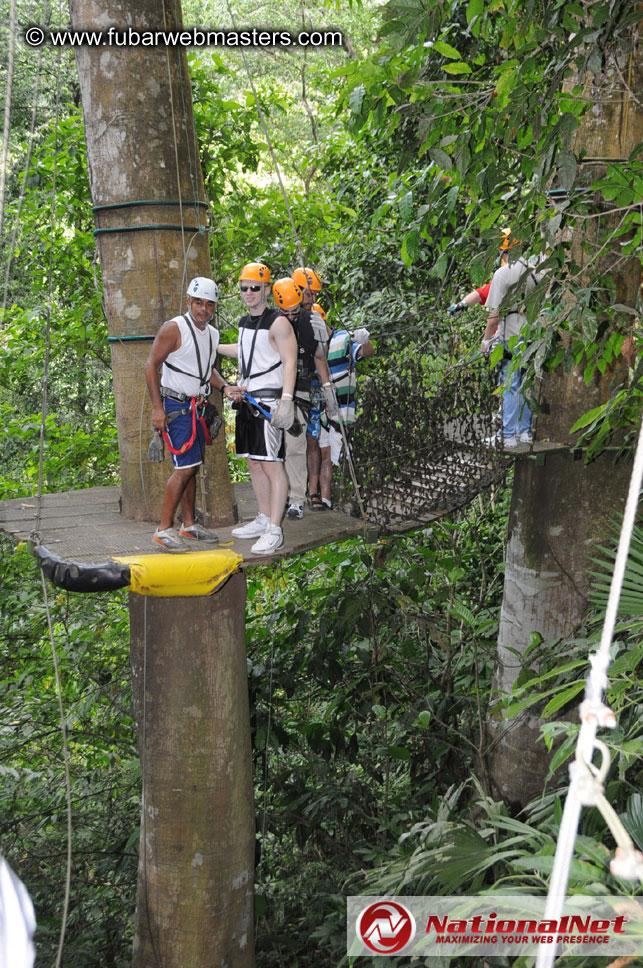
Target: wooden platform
x: 87, y: 526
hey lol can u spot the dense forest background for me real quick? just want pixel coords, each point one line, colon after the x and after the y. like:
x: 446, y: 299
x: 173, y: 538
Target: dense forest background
x: 404, y: 154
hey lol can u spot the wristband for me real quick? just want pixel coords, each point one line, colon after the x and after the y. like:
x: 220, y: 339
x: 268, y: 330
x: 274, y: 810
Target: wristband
x: 325, y: 386
x: 286, y: 396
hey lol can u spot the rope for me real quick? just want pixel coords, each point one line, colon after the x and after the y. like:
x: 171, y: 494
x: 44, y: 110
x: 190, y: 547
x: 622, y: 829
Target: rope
x: 23, y: 187
x: 151, y: 202
x: 264, y: 126
x: 265, y: 762
x: 156, y: 227
x: 63, y: 730
x: 157, y: 954
x: 585, y: 787
x: 176, y: 157
x: 35, y: 533
x: 7, y: 110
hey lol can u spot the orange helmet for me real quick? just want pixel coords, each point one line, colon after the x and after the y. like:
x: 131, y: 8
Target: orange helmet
x: 318, y: 309
x: 507, y: 240
x: 307, y: 279
x: 256, y: 272
x: 286, y: 293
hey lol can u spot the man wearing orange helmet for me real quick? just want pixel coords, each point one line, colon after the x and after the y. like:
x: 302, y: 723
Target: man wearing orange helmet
x: 478, y: 297
x: 309, y: 281
x: 267, y: 353
x: 288, y: 297
x: 517, y: 276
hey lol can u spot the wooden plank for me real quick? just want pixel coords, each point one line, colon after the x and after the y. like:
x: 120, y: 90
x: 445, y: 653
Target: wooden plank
x: 86, y: 526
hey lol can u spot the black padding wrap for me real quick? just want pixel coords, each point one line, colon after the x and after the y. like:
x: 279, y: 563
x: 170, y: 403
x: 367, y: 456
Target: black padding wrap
x: 75, y: 576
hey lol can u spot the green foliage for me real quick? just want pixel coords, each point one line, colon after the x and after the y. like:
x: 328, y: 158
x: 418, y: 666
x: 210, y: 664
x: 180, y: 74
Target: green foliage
x: 91, y: 638
x: 368, y: 672
x: 369, y: 667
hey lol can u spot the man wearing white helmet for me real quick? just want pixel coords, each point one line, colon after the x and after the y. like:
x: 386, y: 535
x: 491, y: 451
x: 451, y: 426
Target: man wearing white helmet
x: 186, y: 348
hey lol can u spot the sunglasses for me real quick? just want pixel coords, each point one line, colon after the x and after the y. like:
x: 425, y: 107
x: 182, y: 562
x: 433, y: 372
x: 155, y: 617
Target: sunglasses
x: 250, y: 288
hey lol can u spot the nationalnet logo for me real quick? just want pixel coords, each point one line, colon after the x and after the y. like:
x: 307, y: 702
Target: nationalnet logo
x: 493, y: 925
x: 386, y: 927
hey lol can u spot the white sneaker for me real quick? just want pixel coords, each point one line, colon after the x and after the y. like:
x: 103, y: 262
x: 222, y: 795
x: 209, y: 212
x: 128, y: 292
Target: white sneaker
x: 270, y: 540
x: 509, y: 443
x: 295, y: 511
x: 170, y: 540
x: 254, y: 528
x: 526, y: 437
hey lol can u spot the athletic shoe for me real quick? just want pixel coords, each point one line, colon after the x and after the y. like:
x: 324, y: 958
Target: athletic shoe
x: 170, y: 540
x: 253, y: 529
x: 196, y: 532
x: 526, y: 437
x: 510, y: 443
x: 270, y: 540
x: 295, y: 511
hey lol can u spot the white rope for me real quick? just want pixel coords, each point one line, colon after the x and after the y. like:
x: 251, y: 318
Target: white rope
x: 594, y: 713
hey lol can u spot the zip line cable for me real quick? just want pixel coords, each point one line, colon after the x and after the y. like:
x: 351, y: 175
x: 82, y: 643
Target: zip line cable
x: 264, y: 126
x: 585, y: 788
x: 7, y: 112
x: 35, y: 533
x: 23, y: 187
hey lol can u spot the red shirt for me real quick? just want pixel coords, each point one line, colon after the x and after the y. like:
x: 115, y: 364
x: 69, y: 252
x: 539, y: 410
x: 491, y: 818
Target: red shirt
x: 483, y: 292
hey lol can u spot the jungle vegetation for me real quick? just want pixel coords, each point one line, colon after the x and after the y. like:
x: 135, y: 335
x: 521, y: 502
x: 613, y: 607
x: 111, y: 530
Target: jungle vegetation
x: 369, y: 665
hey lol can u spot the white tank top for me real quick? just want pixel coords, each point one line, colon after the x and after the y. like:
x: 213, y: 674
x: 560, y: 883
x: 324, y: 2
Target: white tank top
x: 185, y: 358
x: 260, y: 366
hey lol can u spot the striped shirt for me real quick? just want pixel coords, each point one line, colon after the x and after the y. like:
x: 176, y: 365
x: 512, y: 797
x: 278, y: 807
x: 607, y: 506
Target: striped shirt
x: 343, y: 354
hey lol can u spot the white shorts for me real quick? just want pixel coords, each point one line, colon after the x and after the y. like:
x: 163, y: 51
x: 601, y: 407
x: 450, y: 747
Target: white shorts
x: 255, y: 437
x: 329, y: 437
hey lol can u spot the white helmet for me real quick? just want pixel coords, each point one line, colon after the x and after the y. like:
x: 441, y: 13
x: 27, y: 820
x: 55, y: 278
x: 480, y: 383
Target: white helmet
x: 204, y: 289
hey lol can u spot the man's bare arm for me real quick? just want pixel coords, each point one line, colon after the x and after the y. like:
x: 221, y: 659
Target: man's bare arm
x: 166, y: 341
x: 285, y: 342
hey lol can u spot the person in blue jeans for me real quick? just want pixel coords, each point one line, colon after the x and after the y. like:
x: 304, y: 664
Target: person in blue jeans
x: 510, y: 282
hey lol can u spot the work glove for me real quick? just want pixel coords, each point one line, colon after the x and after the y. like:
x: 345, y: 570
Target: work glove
x: 155, y: 451
x: 284, y: 415
x: 361, y: 335
x: 330, y: 400
x: 457, y: 307
x: 486, y: 346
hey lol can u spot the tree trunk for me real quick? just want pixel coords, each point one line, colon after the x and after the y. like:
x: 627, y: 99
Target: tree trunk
x: 142, y: 149
x: 559, y: 510
x: 196, y: 855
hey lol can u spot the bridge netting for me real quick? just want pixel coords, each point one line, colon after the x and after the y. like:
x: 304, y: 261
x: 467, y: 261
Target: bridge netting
x: 420, y: 445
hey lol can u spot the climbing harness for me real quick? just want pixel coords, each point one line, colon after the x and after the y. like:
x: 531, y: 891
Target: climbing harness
x: 256, y: 406
x: 203, y: 411
x: 586, y: 781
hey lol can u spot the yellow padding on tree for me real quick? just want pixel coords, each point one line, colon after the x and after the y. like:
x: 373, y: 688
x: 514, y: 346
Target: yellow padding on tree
x: 174, y: 576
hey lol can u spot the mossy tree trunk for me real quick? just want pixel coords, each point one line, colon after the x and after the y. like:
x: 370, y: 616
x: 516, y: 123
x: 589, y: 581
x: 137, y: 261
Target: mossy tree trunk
x: 143, y: 160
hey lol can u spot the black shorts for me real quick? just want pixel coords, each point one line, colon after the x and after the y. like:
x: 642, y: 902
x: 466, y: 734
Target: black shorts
x: 255, y: 437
